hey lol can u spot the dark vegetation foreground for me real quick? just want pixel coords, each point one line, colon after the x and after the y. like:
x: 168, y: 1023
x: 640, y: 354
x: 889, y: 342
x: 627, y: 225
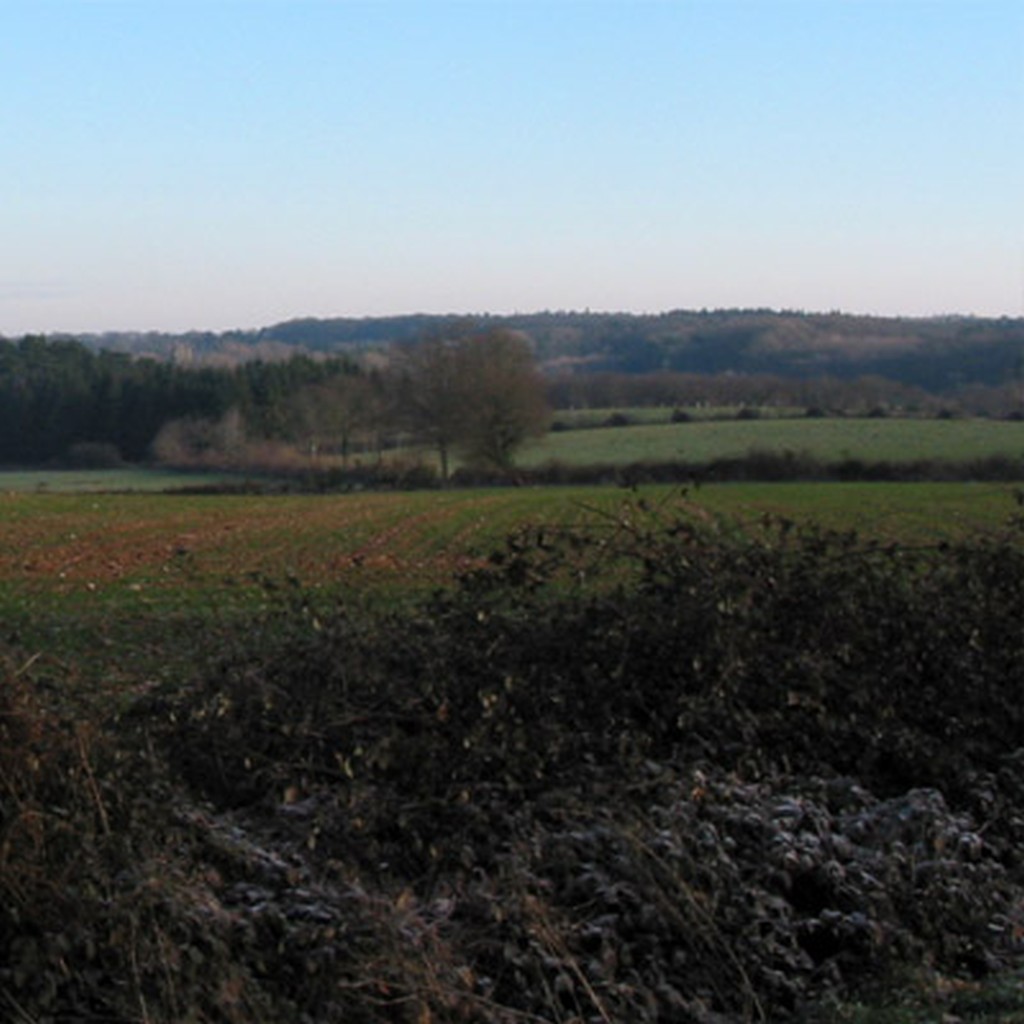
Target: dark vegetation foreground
x: 655, y: 769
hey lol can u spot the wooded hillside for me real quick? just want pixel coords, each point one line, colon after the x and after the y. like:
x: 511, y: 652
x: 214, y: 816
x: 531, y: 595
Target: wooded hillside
x: 940, y: 354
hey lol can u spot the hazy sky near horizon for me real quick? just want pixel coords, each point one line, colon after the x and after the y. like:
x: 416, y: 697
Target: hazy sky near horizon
x: 177, y: 164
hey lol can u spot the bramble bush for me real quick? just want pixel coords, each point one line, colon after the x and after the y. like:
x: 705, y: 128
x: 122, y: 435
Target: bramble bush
x: 660, y: 767
x: 564, y: 696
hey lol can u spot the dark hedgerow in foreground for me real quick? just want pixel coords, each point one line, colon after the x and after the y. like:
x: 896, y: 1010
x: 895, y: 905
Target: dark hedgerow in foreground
x: 657, y: 770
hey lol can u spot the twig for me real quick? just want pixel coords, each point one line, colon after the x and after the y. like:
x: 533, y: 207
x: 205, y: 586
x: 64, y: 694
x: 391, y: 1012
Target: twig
x: 137, y: 976
x: 556, y: 944
x: 22, y: 1014
x: 28, y: 664
x: 93, y: 786
x: 707, y: 916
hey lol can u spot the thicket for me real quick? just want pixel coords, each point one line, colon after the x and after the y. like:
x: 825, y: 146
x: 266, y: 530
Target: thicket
x: 653, y: 769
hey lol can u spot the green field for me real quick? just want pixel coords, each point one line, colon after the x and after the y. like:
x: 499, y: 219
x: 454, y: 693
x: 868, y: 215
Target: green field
x: 149, y: 546
x: 830, y: 440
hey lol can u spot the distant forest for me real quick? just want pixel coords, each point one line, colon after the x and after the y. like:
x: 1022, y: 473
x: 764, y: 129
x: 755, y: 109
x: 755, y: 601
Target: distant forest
x: 102, y: 398
x: 60, y: 400
x: 940, y: 355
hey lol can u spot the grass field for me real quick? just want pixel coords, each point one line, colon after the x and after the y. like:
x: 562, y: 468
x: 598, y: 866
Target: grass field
x: 832, y: 440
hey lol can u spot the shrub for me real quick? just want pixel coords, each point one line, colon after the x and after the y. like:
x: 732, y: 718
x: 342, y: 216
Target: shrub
x: 618, y: 419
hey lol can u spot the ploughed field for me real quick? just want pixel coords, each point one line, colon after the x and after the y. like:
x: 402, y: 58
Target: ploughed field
x: 738, y: 753
x: 142, y: 545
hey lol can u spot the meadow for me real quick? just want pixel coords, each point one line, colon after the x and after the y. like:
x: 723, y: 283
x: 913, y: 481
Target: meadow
x: 897, y: 440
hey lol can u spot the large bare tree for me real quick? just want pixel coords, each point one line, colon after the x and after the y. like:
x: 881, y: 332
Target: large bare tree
x: 505, y: 403
x: 478, y: 395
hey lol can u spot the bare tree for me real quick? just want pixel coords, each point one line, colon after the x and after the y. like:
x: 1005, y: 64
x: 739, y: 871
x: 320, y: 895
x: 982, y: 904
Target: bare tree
x: 505, y: 403
x: 478, y: 395
x: 432, y: 395
x: 331, y: 413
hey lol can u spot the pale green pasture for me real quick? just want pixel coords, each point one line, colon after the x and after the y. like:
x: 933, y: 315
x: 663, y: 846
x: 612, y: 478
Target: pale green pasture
x: 831, y: 440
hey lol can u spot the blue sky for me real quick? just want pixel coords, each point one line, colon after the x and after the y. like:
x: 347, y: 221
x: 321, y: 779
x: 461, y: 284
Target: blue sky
x: 232, y: 163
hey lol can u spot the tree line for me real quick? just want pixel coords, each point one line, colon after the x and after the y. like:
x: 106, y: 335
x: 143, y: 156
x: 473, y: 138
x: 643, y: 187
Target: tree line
x: 59, y: 395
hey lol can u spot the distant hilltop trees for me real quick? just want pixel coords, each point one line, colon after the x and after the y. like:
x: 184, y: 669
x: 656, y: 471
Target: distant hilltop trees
x: 939, y: 354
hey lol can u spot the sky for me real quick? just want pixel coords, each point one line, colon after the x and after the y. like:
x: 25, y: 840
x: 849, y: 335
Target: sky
x: 176, y: 165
